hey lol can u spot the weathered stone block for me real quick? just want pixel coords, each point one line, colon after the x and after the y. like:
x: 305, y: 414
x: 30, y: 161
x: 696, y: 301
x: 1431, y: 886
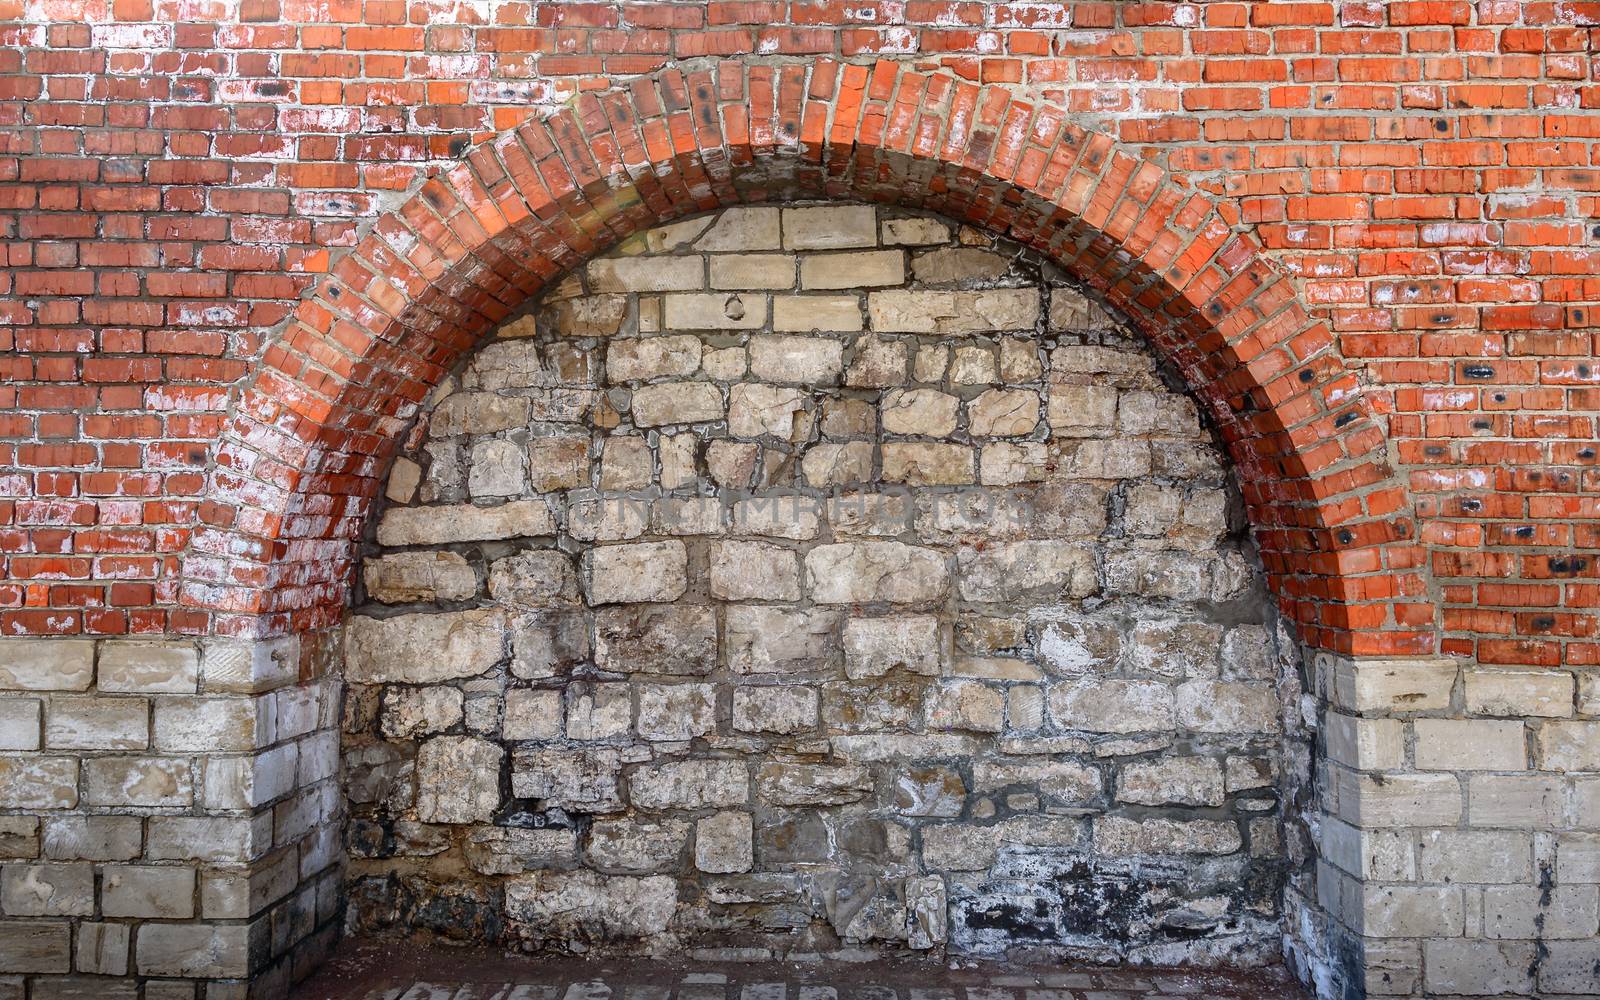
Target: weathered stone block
x: 794, y: 784
x: 647, y: 571
x: 1120, y: 837
x: 927, y: 463
x: 404, y: 577
x: 54, y: 890
x: 1207, y: 706
x: 166, y: 892
x: 1388, y: 685
x: 636, y: 359
x: 531, y: 715
x: 646, y: 274
x: 875, y: 646
x: 539, y: 578
x: 690, y: 784
x: 637, y: 845
x: 444, y: 525
x: 868, y: 269
x: 742, y: 228
x: 656, y: 639
x: 966, y: 705
x: 1194, y: 781
x: 458, y: 780
x: 137, y: 781
x: 617, y: 906
x: 29, y: 946
x: 677, y: 403
x: 1470, y: 745
x: 926, y: 412
x: 753, y: 271
x: 774, y: 709
x: 195, y: 951
x: 862, y: 572
x: 806, y: 360
x: 676, y: 711
x: 558, y: 463
x: 423, y: 648
x: 46, y: 664
x: 723, y: 843
x: 102, y: 949
x: 148, y: 667
x: 1028, y: 570
x: 766, y: 640
x: 1003, y: 413
x: 829, y: 227
x: 583, y: 780
x: 499, y: 468
x: 1112, y: 706
x: 19, y: 723
x: 742, y: 571
x: 1570, y: 746
x: 715, y: 311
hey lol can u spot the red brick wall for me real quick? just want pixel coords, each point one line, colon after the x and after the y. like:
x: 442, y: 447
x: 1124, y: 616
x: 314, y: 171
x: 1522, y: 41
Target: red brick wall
x: 174, y: 176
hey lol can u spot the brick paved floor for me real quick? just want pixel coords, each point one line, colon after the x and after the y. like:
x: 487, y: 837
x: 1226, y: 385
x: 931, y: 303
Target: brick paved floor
x: 393, y: 970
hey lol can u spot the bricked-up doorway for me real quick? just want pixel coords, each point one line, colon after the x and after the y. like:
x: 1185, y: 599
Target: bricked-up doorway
x: 813, y: 580
x: 315, y: 430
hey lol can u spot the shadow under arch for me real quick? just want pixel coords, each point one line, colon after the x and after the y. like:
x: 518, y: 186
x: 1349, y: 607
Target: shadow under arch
x: 307, y: 446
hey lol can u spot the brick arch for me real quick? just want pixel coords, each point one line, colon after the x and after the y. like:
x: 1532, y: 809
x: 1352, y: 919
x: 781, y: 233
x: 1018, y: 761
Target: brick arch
x: 309, y: 441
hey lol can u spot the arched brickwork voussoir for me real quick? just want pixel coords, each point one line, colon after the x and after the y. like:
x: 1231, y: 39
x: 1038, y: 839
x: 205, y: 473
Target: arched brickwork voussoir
x: 309, y: 443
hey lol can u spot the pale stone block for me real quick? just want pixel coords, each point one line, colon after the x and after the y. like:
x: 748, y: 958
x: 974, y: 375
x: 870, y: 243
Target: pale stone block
x: 955, y: 265
x: 34, y: 782
x: 458, y: 780
x: 783, y: 709
x: 676, y: 711
x: 1569, y: 746
x: 742, y: 228
x: 404, y: 577
x: 148, y: 667
x: 247, y: 667
x: 867, y: 269
x: 423, y: 648
x: 1080, y: 410
x: 635, y: 359
x: 137, y: 781
x: 676, y: 403
x: 646, y: 274
x: 1478, y: 968
x: 646, y: 571
x: 926, y: 412
x: 1369, y: 855
x: 46, y: 664
x: 690, y: 784
x: 897, y: 310
x: 829, y: 464
x: 1543, y: 693
x: 636, y: 845
x: 915, y: 232
x: 191, y: 725
x: 93, y: 838
x: 58, y: 890
x: 1112, y: 705
x: 829, y: 227
x: 19, y: 723
x: 404, y: 477
x: 97, y: 723
x: 28, y: 946
x: 1208, y: 706
x: 784, y: 515
x: 148, y: 891
x: 589, y: 316
x: 1527, y: 801
x: 723, y: 363
x: 875, y: 646
x: 1194, y: 781
x: 773, y: 640
x: 926, y: 463
x: 1365, y: 744
x: 1110, y: 459
x: 930, y: 363
x: 743, y: 571
x: 860, y: 572
x: 1391, y: 685
x: 411, y: 712
x: 806, y: 360
x: 1120, y: 837
x: 478, y: 413
x: 251, y: 780
x: 966, y: 705
x: 678, y: 639
x: 616, y: 906
x: 1525, y: 912
x: 795, y: 784
x: 1007, y: 463
x: 1412, y: 911
x: 817, y: 314
x: 532, y: 715
x: 1578, y: 858
x: 753, y: 271
x: 755, y: 410
x: 598, y: 711
x: 558, y: 463
x: 1470, y: 745
x: 715, y: 311
x: 539, y: 578
x: 196, y: 951
x: 973, y: 365
x: 1003, y: 413
x: 723, y: 843
x: 1398, y: 800
x: 102, y: 949
x: 444, y: 525
x: 1474, y: 856
x: 1037, y: 569
x: 584, y: 780
x: 595, y: 518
